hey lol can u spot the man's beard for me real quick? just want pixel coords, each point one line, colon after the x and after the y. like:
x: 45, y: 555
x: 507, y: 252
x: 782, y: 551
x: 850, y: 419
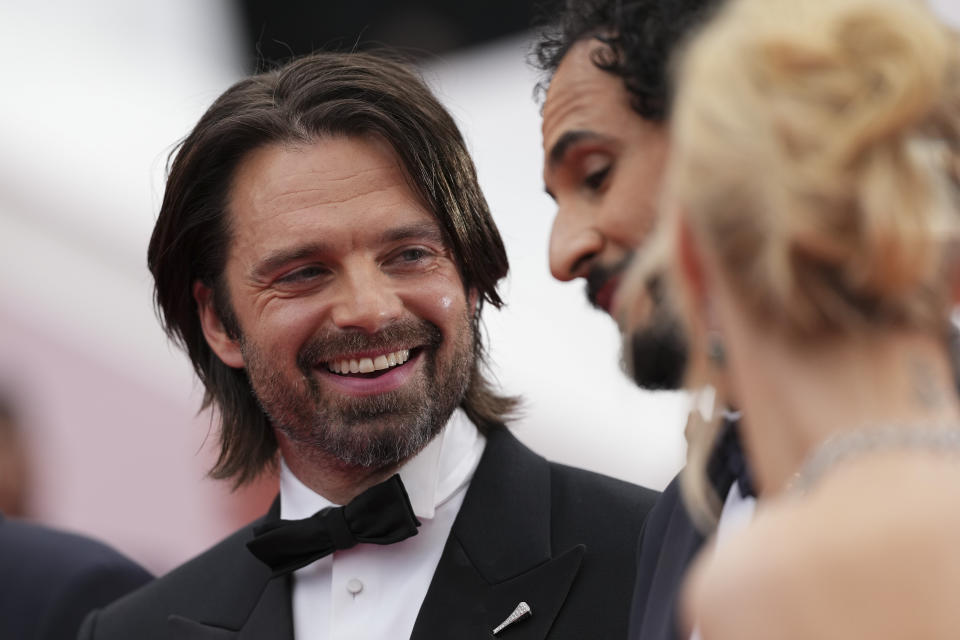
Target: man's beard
x: 657, y: 356
x: 655, y: 351
x: 374, y: 431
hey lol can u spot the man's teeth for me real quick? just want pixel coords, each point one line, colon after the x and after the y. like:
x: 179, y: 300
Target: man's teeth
x: 369, y: 365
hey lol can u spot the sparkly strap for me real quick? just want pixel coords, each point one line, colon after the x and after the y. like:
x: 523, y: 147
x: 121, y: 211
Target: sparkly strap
x: 842, y: 446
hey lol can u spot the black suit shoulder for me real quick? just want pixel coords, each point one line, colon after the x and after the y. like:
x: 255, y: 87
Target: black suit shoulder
x: 49, y: 580
x: 607, y: 516
x: 669, y: 542
x: 184, y: 592
x: 669, y: 513
x: 597, y: 506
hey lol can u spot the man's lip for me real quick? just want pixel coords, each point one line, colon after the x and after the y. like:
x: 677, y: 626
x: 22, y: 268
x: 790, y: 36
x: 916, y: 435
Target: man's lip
x: 356, y: 386
x: 606, y: 296
x: 603, y: 280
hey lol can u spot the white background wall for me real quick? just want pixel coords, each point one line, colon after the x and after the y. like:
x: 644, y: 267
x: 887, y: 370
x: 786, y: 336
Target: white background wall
x: 94, y: 95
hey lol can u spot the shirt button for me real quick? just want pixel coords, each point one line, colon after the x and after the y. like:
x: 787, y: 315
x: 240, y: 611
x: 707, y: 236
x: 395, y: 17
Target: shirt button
x: 354, y: 586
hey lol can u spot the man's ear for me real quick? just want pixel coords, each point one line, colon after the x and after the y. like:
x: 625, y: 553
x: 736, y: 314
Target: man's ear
x: 223, y: 344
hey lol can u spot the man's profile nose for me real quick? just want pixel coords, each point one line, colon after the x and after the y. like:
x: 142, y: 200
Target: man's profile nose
x: 572, y: 248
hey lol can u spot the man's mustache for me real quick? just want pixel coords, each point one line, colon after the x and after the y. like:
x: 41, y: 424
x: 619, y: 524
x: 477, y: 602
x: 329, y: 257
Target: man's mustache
x: 332, y: 344
x: 599, y: 275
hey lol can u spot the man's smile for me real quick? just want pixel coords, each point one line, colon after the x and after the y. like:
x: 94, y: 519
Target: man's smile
x: 405, y: 363
x: 369, y: 363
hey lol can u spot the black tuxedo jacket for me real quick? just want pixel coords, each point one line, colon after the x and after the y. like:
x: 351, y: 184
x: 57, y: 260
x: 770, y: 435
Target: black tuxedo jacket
x: 670, y: 540
x: 558, y: 538
x: 49, y: 580
x: 668, y: 544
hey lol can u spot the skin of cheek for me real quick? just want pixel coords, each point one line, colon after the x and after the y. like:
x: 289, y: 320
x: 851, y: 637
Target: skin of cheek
x: 432, y: 295
x: 438, y: 299
x: 440, y: 287
x: 435, y: 301
x: 271, y: 317
x: 283, y: 326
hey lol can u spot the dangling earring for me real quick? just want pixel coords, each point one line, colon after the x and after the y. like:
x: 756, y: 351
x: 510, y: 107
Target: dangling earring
x: 716, y: 352
x: 703, y: 425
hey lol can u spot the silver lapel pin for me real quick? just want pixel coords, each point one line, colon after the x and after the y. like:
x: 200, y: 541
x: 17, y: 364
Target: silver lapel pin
x: 522, y: 612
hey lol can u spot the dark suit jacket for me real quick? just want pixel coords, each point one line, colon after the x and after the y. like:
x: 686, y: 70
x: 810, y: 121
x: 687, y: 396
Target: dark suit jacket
x: 559, y: 538
x: 50, y: 580
x: 669, y: 542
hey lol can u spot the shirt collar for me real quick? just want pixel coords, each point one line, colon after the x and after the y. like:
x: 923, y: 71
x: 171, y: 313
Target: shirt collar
x: 431, y: 477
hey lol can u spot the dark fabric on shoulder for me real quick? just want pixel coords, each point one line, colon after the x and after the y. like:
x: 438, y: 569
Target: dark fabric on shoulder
x: 669, y: 542
x: 608, y: 516
x: 50, y: 580
x: 213, y: 595
x: 728, y: 462
x: 559, y: 538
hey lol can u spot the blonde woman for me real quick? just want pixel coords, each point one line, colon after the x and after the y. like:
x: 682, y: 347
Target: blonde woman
x: 812, y: 199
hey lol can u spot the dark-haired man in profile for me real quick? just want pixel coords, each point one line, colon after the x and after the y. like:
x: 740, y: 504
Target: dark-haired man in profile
x: 605, y: 145
x: 323, y: 252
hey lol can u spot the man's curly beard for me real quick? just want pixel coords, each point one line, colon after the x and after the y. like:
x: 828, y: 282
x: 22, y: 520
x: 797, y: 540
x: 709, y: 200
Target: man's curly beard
x: 655, y: 349
x: 658, y: 355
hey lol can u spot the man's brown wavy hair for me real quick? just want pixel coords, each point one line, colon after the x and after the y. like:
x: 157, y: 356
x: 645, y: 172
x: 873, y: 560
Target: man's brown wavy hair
x: 324, y: 94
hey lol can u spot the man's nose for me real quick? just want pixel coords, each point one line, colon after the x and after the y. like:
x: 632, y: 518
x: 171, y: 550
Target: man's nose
x: 367, y: 300
x: 574, y: 243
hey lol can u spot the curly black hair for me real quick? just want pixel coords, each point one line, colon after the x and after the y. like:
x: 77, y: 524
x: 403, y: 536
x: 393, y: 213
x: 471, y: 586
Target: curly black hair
x: 641, y: 35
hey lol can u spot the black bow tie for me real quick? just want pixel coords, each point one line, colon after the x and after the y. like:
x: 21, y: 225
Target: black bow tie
x: 380, y: 515
x: 728, y: 464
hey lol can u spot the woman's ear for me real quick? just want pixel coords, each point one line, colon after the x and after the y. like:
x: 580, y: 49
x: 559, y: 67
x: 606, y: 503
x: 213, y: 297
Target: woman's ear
x: 690, y: 263
x: 226, y: 346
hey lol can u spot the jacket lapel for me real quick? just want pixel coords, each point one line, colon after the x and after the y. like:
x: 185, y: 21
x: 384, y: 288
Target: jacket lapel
x: 543, y: 589
x: 249, y: 603
x: 499, y: 553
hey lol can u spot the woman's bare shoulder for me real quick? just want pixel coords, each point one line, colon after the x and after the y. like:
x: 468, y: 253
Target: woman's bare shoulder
x: 741, y: 590
x: 849, y: 562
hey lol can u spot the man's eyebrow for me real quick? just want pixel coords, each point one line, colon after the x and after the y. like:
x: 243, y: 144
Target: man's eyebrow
x: 277, y: 259
x: 429, y: 231
x: 567, y: 140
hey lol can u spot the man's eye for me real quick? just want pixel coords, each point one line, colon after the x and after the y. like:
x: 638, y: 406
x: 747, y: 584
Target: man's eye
x: 412, y: 255
x: 595, y: 180
x: 302, y: 274
x: 412, y: 259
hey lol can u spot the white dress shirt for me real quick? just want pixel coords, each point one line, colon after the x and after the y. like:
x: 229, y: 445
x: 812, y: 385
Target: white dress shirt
x: 736, y: 514
x: 375, y: 591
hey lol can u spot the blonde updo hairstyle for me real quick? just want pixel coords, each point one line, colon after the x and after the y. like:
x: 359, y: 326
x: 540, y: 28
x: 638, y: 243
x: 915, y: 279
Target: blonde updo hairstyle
x: 814, y: 151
